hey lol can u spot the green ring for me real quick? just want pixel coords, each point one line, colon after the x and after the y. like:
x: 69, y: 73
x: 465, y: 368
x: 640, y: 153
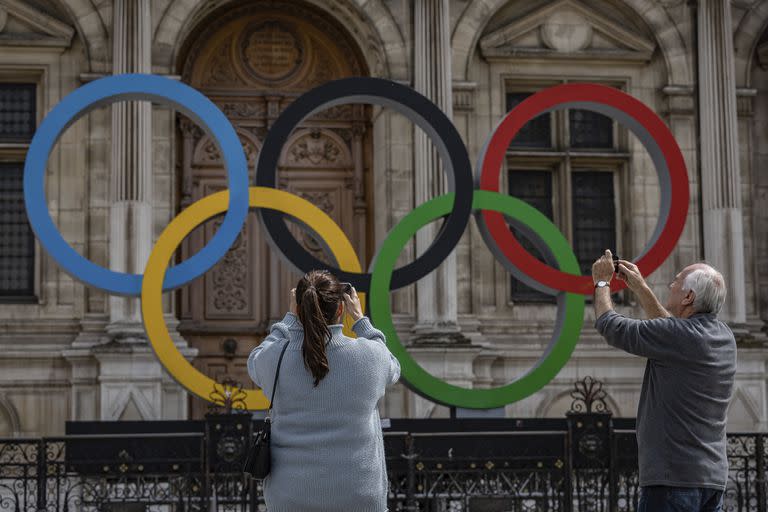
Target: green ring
x: 571, y: 305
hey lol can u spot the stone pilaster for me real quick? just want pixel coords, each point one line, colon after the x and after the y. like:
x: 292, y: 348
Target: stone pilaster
x: 130, y: 226
x: 720, y: 177
x: 436, y: 312
x: 115, y: 374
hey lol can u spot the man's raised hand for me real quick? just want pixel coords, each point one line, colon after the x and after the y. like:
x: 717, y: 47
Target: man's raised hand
x: 630, y: 274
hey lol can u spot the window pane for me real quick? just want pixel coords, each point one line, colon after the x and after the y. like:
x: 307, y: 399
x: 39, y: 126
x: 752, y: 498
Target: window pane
x: 17, y: 112
x: 535, y: 188
x: 17, y: 247
x: 590, y: 129
x: 594, y: 217
x: 537, y: 132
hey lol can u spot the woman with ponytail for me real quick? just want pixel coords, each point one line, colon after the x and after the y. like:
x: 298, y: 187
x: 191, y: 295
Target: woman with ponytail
x: 327, y: 445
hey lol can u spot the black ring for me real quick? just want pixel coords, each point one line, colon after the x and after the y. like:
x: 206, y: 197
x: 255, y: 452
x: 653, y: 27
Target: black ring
x: 420, y: 111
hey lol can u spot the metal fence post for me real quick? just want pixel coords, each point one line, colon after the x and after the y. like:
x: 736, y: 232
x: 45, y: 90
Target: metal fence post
x: 613, y: 490
x: 42, y: 474
x: 410, y: 491
x: 568, y: 483
x: 205, y: 467
x: 760, y: 470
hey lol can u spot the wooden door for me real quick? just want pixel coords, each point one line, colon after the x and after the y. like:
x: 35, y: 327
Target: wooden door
x: 252, y: 61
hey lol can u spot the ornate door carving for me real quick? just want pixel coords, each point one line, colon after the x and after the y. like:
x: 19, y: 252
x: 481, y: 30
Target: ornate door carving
x: 252, y: 61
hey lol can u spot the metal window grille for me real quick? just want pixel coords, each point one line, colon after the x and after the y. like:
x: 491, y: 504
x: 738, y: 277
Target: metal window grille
x: 535, y: 188
x: 17, y: 112
x: 537, y: 133
x: 590, y: 129
x: 594, y: 216
x: 17, y: 245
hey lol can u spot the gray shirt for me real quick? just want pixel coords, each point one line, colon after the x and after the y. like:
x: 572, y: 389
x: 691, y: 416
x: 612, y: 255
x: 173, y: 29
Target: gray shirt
x: 327, y: 445
x: 688, y: 383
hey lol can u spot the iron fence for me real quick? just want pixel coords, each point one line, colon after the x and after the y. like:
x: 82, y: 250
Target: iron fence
x: 585, y: 462
x: 499, y: 466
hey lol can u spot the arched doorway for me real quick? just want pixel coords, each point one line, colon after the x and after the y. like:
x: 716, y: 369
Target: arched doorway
x: 252, y: 61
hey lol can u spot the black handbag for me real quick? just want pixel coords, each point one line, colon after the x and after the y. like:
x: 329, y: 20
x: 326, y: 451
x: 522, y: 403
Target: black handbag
x: 258, y: 459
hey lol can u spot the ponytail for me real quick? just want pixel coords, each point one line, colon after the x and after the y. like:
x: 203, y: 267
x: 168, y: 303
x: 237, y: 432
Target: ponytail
x: 317, y: 294
x: 316, y: 333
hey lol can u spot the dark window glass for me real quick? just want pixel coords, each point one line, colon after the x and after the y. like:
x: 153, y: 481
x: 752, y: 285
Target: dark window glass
x: 590, y: 129
x: 17, y: 112
x: 537, y: 132
x: 535, y: 188
x: 17, y: 247
x: 594, y: 217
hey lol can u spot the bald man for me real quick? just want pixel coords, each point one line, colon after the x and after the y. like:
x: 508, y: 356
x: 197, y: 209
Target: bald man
x: 688, y: 383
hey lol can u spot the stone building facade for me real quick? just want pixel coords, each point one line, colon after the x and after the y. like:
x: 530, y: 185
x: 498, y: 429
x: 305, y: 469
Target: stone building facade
x: 119, y: 174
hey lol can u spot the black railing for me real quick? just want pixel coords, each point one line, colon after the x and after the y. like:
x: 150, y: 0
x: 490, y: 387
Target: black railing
x: 586, y: 462
x: 498, y: 465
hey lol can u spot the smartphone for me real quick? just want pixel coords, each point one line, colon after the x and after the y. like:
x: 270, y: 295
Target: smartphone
x: 346, y: 288
x: 616, y: 263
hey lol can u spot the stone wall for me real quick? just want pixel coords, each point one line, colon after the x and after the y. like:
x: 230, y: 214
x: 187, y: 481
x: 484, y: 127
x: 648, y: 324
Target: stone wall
x: 62, y: 361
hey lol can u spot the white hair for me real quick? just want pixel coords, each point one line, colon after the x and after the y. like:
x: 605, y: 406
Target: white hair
x: 708, y: 286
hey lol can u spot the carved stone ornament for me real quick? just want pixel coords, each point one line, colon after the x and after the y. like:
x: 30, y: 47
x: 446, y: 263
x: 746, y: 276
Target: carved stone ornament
x: 270, y: 45
x: 207, y: 153
x: 322, y: 200
x: 242, y: 109
x: 314, y: 149
x: 221, y: 70
x: 271, y: 50
x: 230, y: 278
x: 566, y: 31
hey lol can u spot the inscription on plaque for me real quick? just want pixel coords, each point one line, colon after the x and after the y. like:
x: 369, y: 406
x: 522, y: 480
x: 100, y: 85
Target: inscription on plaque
x: 271, y: 51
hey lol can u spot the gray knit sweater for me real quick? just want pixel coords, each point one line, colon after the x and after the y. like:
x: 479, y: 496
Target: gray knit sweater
x: 327, y: 445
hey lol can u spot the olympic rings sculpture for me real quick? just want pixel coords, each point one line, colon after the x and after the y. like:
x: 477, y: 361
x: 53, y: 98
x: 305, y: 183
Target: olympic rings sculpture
x: 493, y: 213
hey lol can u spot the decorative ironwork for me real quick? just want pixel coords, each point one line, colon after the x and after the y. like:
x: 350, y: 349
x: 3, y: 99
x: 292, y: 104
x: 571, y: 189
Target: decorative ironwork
x: 588, y: 396
x: 227, y: 396
x: 521, y: 465
x: 422, y: 477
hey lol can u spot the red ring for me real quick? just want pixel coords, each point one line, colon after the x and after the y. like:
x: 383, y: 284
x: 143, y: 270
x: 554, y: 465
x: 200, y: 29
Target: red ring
x: 567, y: 93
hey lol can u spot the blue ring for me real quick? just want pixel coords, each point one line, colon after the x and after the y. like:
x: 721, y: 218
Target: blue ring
x: 147, y: 88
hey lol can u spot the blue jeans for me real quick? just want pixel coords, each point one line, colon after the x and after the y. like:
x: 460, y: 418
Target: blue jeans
x: 658, y: 498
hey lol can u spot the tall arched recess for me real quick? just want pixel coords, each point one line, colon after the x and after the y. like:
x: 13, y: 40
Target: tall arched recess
x: 252, y: 60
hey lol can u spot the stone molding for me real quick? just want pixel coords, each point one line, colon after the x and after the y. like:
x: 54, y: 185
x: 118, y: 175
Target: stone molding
x: 49, y: 31
x: 370, y: 24
x: 464, y: 96
x: 472, y: 22
x: 505, y: 42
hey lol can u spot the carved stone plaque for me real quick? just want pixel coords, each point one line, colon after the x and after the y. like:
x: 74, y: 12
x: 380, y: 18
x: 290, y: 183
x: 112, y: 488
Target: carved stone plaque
x: 566, y: 31
x: 271, y: 51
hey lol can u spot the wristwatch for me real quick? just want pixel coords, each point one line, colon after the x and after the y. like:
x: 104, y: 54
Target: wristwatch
x: 601, y: 284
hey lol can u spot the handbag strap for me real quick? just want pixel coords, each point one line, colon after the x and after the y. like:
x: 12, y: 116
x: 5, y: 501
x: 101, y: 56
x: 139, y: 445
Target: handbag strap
x: 274, y: 384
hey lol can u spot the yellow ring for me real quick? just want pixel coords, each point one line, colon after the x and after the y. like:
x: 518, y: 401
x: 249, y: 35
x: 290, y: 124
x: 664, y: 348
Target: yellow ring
x: 197, y: 213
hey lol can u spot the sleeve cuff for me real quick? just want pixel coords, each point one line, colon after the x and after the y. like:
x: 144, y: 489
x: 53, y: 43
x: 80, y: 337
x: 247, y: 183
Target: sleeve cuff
x: 361, y: 325
x: 290, y: 320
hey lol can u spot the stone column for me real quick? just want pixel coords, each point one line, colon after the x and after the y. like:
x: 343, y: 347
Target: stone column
x: 436, y: 313
x: 115, y: 373
x: 130, y: 229
x: 720, y: 177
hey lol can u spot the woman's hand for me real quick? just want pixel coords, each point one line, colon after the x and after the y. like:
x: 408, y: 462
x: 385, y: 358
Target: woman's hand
x: 352, y: 305
x: 292, y: 307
